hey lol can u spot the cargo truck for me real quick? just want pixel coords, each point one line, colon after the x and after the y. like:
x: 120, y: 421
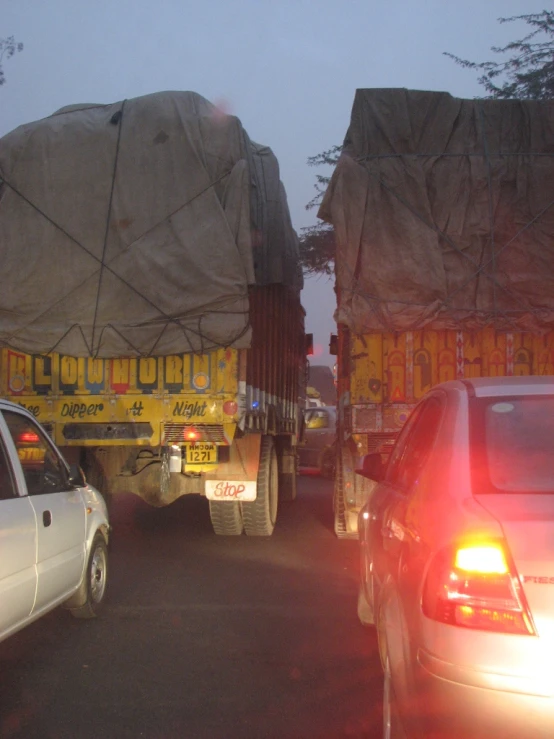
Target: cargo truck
x: 151, y: 315
x: 443, y: 212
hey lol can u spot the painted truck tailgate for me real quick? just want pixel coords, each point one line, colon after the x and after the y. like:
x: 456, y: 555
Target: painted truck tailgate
x: 386, y: 374
x: 147, y: 392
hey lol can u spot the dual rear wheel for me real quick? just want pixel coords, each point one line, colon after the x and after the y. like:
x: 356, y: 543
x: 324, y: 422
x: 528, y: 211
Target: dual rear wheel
x: 257, y: 517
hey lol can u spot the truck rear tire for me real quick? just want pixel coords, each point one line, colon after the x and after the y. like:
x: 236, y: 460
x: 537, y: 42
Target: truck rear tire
x: 328, y: 463
x: 226, y: 518
x: 287, y: 458
x: 344, y: 477
x: 94, y: 474
x: 259, y: 515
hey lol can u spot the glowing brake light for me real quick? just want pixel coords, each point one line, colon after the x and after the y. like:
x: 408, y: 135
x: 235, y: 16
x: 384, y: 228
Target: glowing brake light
x: 28, y: 437
x: 484, y: 559
x: 190, y: 434
x: 476, y: 586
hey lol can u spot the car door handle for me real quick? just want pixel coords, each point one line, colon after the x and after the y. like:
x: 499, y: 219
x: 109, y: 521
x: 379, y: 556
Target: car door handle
x: 46, y: 518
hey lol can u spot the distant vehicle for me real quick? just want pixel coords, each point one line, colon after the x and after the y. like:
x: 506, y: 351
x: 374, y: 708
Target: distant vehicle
x: 319, y: 449
x: 457, y: 562
x: 54, y: 533
x: 314, y: 403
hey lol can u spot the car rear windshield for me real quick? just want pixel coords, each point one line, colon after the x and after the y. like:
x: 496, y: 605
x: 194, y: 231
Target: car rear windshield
x: 512, y: 444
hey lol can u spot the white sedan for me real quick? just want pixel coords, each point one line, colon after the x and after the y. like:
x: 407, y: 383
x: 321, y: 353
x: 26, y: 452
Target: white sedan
x: 53, y: 532
x: 457, y: 563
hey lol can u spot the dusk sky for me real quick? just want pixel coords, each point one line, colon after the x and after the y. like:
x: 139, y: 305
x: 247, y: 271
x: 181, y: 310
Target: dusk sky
x: 287, y: 69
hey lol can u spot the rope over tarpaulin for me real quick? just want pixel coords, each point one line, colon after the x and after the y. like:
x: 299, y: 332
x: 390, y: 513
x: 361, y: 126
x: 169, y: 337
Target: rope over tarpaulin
x: 460, y: 238
x: 191, y: 346
x: 127, y: 229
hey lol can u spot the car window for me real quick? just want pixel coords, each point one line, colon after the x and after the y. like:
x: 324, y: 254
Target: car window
x: 43, y: 469
x: 512, y: 444
x: 410, y: 455
x: 400, y: 445
x: 7, y: 487
x: 317, y: 419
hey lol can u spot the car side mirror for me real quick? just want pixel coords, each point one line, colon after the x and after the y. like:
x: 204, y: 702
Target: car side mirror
x: 372, y: 467
x: 76, y: 476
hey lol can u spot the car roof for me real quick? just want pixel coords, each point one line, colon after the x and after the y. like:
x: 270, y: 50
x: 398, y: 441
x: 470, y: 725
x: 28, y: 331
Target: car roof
x: 490, y: 387
x: 494, y: 386
x: 331, y: 409
x: 7, y: 405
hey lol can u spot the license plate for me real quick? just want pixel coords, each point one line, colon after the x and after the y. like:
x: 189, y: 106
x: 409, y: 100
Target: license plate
x: 201, y: 453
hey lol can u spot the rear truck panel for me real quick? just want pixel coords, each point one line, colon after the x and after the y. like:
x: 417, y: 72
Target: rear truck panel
x: 88, y: 401
x: 380, y: 377
x: 162, y: 427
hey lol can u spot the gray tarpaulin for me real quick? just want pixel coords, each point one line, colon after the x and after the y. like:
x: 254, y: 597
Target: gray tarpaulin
x: 136, y: 228
x: 443, y: 211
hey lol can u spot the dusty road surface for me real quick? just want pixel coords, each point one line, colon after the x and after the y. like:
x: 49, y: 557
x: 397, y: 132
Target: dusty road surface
x: 204, y: 637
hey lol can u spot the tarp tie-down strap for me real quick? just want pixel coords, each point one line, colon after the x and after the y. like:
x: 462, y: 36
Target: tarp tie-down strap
x: 92, y: 350
x: 117, y: 119
x: 491, y: 208
x: 480, y: 269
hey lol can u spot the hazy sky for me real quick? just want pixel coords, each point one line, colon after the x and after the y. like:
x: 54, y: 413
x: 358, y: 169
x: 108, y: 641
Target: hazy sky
x: 288, y: 69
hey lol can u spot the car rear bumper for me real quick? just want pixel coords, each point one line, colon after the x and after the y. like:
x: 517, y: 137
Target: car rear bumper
x: 460, y: 703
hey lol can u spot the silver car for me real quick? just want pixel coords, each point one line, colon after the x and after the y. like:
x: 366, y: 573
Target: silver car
x: 53, y: 532
x: 457, y: 563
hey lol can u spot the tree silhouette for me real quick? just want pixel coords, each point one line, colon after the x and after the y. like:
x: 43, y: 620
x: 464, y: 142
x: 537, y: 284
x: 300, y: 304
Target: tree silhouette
x: 528, y: 72
x: 8, y: 47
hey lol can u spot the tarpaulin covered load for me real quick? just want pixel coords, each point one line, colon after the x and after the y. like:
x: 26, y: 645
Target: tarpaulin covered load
x: 136, y: 229
x: 443, y: 211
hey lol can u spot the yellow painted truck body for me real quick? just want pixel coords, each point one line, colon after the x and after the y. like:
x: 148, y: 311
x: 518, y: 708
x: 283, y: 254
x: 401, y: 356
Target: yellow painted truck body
x: 381, y: 376
x: 212, y: 424
x: 85, y: 401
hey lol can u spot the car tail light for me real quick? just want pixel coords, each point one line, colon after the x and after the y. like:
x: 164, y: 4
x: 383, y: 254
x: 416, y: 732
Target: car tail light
x: 28, y: 437
x: 476, y: 586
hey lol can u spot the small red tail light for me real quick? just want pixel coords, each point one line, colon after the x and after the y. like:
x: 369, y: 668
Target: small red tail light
x: 476, y: 586
x: 28, y: 437
x: 230, y: 407
x: 191, y: 434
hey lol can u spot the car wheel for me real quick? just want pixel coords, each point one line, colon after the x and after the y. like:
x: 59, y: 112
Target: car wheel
x: 392, y: 728
x: 95, y: 581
